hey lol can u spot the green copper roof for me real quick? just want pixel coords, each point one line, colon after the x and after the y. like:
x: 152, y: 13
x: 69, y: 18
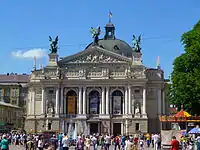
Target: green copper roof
x: 116, y: 45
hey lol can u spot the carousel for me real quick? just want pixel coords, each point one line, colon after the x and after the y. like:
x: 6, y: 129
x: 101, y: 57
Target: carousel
x: 181, y: 116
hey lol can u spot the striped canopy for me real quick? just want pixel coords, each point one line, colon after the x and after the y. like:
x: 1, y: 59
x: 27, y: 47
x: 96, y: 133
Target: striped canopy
x: 182, y: 113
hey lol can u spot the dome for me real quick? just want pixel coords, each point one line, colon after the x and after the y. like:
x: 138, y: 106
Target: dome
x: 115, y: 45
x: 109, y: 42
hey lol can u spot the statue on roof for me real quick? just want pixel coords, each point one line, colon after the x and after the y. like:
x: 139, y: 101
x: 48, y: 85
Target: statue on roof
x: 95, y: 34
x: 53, y: 44
x: 136, y: 43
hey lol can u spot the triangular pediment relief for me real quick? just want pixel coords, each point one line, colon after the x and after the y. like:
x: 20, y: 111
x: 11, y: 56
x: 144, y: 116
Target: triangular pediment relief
x: 95, y: 55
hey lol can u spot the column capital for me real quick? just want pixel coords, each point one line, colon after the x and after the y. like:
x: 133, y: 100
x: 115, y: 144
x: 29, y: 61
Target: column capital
x: 107, y: 87
x: 129, y: 86
x: 144, y: 86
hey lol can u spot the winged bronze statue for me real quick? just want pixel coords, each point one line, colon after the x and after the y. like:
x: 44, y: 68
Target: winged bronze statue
x: 136, y: 43
x: 53, y: 44
x: 95, y: 34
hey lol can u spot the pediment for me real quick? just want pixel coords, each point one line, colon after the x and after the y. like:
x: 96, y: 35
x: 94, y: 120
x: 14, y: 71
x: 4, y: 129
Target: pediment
x: 95, y: 55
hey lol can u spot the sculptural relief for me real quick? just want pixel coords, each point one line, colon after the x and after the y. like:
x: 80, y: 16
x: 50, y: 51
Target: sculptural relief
x: 128, y: 72
x: 105, y: 72
x: 95, y: 58
x: 139, y: 73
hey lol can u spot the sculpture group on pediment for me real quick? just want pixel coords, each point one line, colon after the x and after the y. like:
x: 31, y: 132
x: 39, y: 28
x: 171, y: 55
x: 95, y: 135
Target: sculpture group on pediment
x: 82, y: 72
x: 139, y: 72
x: 128, y: 72
x: 97, y: 58
x: 105, y: 72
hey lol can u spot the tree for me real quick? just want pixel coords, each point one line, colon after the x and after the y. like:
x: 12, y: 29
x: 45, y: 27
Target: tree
x: 185, y: 78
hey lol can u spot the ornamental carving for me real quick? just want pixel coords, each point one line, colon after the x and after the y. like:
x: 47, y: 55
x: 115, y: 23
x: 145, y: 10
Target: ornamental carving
x: 139, y: 73
x: 95, y: 58
x: 52, y: 73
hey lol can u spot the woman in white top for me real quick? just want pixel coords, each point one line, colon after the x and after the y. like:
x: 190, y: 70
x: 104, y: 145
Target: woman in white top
x: 40, y: 143
x: 65, y: 142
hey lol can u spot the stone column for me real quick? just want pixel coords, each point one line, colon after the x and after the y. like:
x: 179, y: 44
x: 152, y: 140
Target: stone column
x: 126, y: 127
x: 84, y: 100
x: 57, y: 100
x: 122, y: 128
x: 88, y: 105
x: 144, y: 101
x: 76, y: 129
x: 43, y: 101
x: 103, y: 100
x: 64, y: 102
x: 100, y: 105
x: 33, y: 101
x: 107, y: 100
x: 80, y: 101
x: 61, y: 100
x: 129, y: 100
x: 163, y: 101
x: 159, y: 101
x: 30, y: 101
x: 123, y: 105
x: 126, y: 100
x: 88, y: 128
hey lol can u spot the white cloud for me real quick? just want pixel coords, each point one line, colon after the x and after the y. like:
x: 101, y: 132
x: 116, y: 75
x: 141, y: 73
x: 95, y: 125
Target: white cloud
x: 36, y: 52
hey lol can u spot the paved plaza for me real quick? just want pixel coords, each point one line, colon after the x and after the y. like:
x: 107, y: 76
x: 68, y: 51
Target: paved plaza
x: 13, y: 147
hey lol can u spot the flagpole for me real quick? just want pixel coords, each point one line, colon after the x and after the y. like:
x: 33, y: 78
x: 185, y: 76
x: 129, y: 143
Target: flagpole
x: 110, y: 16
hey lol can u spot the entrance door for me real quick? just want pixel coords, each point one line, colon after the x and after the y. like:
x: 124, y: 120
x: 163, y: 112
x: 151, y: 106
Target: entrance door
x: 93, y: 128
x: 116, y: 129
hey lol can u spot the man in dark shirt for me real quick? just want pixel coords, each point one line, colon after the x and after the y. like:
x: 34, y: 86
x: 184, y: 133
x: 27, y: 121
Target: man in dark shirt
x: 54, y: 142
x: 174, y: 143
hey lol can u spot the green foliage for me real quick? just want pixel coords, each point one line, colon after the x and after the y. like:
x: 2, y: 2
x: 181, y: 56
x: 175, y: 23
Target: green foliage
x: 185, y: 78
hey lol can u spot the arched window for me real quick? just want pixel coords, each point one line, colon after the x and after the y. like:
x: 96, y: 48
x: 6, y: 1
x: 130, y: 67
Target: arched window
x: 117, y: 101
x: 71, y: 99
x: 94, y: 102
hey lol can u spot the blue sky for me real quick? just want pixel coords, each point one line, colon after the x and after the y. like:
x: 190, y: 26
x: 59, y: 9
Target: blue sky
x: 26, y: 25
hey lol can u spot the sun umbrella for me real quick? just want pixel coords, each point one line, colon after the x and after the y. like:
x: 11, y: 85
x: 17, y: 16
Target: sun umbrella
x: 194, y: 131
x: 182, y: 113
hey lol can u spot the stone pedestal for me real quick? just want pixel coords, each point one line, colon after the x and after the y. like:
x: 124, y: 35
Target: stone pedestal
x: 136, y: 60
x: 53, y: 60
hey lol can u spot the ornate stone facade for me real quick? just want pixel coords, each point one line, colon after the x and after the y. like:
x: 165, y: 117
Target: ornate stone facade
x: 96, y: 90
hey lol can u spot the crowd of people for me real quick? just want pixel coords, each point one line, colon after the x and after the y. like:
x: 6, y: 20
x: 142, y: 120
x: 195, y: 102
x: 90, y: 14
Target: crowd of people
x: 104, y: 142
x: 95, y: 141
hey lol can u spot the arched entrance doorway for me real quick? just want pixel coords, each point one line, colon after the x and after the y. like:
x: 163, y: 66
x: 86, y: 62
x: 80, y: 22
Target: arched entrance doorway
x: 71, y: 102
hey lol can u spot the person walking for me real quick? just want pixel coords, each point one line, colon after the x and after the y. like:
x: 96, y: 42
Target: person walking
x: 40, y: 143
x: 4, y: 143
x: 174, y: 143
x: 65, y: 142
